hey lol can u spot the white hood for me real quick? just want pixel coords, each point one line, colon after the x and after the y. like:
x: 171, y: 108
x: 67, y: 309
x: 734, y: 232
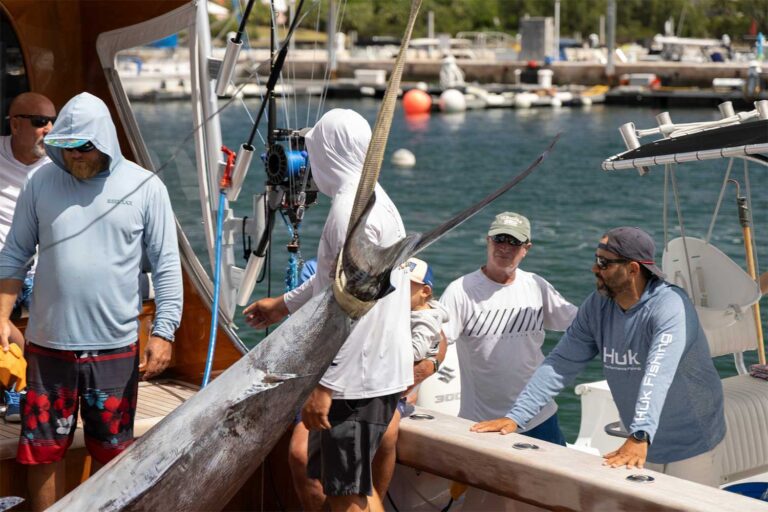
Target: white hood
x: 337, y: 145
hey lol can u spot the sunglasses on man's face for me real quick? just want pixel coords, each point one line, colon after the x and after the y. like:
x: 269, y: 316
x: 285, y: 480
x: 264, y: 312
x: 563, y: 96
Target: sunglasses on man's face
x: 85, y: 148
x: 603, y: 263
x: 37, y: 121
x: 507, y: 239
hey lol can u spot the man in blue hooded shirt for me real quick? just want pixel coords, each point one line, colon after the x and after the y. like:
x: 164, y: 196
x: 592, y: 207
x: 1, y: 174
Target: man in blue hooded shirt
x: 92, y: 213
x: 655, y: 358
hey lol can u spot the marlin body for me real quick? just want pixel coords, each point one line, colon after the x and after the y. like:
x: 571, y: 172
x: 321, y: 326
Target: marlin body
x: 203, y: 452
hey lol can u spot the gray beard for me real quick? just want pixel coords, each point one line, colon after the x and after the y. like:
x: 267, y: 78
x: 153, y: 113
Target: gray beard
x: 38, y: 149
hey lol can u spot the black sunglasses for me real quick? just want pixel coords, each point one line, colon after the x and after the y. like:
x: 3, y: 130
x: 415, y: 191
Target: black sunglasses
x: 85, y: 148
x: 604, y: 263
x: 507, y: 239
x: 37, y: 121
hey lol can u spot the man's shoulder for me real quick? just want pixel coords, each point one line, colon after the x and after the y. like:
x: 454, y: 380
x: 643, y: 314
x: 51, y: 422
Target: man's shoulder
x: 133, y: 172
x: 45, y: 171
x: 459, y: 281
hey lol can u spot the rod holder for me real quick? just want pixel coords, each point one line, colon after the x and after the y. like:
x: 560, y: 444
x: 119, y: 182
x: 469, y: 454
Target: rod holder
x: 256, y: 259
x: 227, y: 68
x: 726, y: 109
x: 242, y: 162
x: 664, y: 120
x: 762, y: 109
x: 629, y: 136
x: 251, y: 275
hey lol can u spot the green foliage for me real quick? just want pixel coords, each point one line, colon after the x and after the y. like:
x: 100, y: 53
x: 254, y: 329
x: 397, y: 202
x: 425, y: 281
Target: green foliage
x: 636, y: 19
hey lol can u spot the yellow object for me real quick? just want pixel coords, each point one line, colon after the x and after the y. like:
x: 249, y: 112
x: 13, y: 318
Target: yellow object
x: 13, y: 368
x: 457, y: 489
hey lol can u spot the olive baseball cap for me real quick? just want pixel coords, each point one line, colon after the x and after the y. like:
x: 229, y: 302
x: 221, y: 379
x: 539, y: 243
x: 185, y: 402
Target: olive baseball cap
x: 633, y: 244
x: 511, y: 223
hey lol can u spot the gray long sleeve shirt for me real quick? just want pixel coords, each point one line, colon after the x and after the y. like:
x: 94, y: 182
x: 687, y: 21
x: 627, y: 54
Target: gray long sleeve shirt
x: 91, y: 235
x: 657, y: 364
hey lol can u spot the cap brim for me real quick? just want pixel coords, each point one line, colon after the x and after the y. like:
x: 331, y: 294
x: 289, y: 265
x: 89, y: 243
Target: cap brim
x: 66, y: 143
x: 509, y: 231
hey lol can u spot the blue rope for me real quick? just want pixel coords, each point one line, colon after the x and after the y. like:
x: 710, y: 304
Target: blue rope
x: 292, y: 269
x: 216, y: 286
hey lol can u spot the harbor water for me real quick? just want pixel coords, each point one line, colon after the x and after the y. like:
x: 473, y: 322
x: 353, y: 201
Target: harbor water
x: 460, y: 158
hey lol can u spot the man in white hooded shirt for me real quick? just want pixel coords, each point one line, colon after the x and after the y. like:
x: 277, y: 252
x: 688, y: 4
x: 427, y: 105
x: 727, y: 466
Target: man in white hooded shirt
x: 360, y: 390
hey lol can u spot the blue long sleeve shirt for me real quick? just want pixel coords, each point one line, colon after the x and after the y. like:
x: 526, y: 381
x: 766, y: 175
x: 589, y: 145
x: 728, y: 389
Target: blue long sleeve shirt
x: 91, y: 235
x: 657, y: 363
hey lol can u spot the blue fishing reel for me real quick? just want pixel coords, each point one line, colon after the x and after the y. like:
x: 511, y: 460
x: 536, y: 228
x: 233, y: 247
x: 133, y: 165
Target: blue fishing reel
x: 289, y: 172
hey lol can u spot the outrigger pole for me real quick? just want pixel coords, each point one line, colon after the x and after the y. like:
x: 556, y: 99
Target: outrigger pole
x: 745, y: 219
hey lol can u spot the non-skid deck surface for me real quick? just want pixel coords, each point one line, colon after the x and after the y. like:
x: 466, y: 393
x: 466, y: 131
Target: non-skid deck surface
x: 156, y: 400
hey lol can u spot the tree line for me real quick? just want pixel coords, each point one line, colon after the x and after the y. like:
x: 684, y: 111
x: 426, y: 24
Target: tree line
x: 636, y: 20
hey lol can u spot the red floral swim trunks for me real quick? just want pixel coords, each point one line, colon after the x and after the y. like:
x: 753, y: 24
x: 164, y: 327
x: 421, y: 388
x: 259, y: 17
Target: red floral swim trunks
x: 102, y: 384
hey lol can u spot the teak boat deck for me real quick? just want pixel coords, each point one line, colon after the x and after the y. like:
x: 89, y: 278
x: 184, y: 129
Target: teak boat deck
x: 156, y: 400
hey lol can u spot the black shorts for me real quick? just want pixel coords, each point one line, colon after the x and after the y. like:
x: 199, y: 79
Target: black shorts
x: 341, y: 457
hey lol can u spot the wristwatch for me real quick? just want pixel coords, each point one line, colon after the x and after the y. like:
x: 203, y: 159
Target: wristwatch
x: 435, y: 362
x: 641, y: 435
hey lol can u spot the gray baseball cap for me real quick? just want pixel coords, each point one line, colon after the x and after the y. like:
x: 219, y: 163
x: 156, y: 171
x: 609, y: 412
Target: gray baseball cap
x: 633, y: 244
x: 511, y: 223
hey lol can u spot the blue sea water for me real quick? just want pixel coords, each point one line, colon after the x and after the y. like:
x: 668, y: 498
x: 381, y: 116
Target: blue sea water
x: 460, y: 158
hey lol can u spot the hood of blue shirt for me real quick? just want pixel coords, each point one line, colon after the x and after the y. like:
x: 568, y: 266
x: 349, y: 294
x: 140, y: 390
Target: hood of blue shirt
x: 85, y: 117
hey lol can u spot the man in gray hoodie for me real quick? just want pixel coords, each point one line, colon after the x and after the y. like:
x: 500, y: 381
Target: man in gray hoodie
x: 655, y: 358
x: 92, y: 213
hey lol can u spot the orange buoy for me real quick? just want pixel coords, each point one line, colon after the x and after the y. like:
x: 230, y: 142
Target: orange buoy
x: 417, y: 101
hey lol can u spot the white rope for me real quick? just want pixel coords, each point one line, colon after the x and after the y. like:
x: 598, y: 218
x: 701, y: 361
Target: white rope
x: 719, y: 201
x: 682, y: 233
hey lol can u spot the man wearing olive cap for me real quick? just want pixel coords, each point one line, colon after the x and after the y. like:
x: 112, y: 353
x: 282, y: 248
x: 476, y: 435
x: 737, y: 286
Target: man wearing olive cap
x: 497, y: 318
x: 655, y: 358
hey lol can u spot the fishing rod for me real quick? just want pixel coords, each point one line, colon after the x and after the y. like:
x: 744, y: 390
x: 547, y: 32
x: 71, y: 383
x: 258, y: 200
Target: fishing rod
x: 280, y: 193
x: 289, y: 188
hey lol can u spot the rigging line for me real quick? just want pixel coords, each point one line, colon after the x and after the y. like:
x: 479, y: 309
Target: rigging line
x: 278, y: 63
x: 719, y: 201
x: 336, y: 28
x: 678, y: 207
x: 274, y: 29
x: 292, y: 73
x: 292, y: 79
x: 312, y: 68
x: 326, y: 79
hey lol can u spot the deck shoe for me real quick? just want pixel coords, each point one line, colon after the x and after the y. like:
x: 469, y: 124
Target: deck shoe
x: 13, y: 403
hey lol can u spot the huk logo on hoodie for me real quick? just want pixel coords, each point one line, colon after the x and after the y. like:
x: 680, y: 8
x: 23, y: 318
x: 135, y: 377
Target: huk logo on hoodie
x: 615, y: 360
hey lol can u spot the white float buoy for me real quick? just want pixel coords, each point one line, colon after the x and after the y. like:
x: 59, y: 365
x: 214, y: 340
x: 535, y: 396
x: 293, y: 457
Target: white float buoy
x: 556, y: 102
x: 422, y: 86
x: 452, y: 100
x: 586, y: 101
x: 403, y: 158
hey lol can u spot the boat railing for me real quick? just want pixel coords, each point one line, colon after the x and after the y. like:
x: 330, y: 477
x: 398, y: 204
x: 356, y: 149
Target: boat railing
x: 547, y: 475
